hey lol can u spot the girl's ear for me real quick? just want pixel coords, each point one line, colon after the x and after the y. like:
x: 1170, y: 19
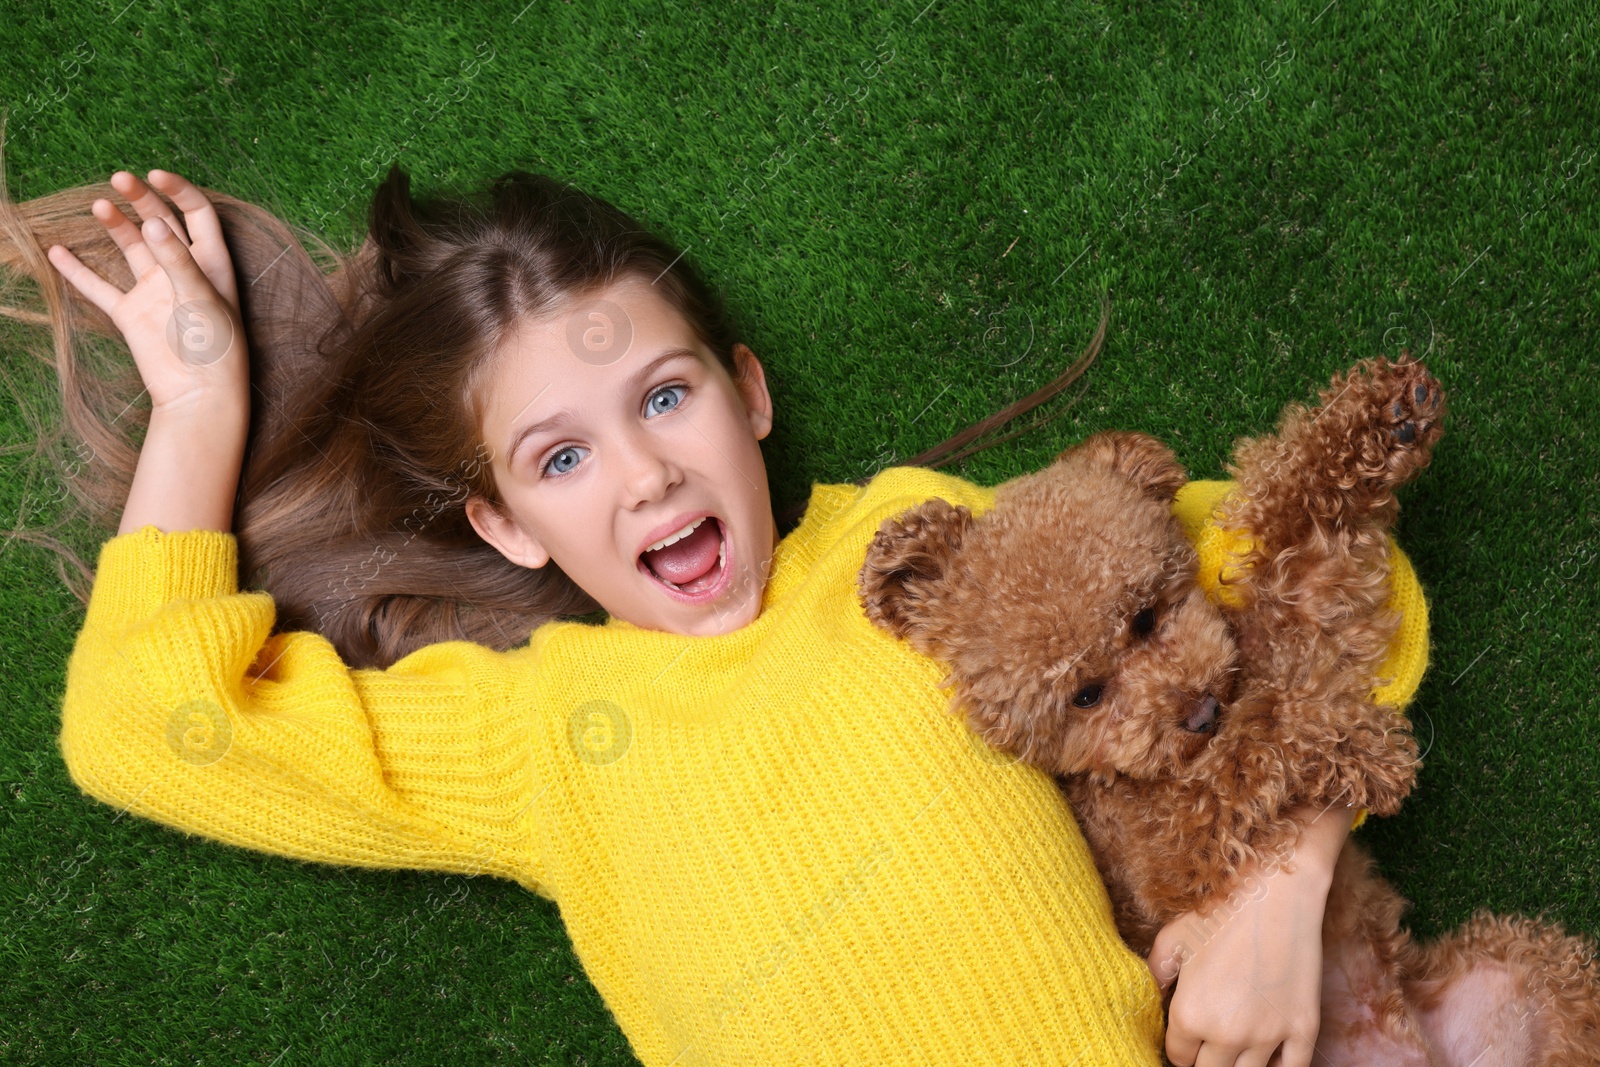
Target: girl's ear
x: 503, y: 532
x: 751, y: 382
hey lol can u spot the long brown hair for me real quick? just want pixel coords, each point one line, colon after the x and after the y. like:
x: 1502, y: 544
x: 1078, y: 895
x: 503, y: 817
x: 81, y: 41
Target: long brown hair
x: 365, y: 436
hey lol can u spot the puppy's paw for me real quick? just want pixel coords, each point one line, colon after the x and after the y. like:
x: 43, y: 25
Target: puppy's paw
x: 1377, y: 426
x: 1413, y: 406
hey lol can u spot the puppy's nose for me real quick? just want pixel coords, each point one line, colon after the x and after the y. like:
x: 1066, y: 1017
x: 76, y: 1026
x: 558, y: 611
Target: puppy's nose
x: 1202, y: 717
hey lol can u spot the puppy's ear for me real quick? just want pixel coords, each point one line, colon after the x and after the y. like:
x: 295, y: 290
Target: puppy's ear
x: 907, y: 563
x: 1140, y: 458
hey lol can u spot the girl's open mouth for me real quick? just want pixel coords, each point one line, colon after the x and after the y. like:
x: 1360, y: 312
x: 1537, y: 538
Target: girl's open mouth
x: 695, y: 568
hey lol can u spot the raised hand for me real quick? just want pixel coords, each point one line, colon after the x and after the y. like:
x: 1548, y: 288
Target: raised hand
x: 181, y: 322
x: 181, y: 318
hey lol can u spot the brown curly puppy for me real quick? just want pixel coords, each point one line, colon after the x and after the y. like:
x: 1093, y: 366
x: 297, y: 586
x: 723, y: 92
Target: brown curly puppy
x: 1186, y: 729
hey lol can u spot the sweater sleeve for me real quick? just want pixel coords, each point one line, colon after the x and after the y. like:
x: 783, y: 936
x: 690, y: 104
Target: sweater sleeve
x: 180, y: 708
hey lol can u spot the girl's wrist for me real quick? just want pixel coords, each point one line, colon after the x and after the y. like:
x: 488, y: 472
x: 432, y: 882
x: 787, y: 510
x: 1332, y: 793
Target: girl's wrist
x: 225, y: 410
x: 188, y: 471
x: 1322, y: 835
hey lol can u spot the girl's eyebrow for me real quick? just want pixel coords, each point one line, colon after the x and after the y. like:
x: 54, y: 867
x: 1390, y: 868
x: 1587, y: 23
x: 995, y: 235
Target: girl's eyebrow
x: 565, y: 415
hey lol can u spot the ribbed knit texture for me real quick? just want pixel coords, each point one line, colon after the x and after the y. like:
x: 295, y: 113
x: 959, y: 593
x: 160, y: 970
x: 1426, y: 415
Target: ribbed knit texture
x: 774, y: 846
x: 1408, y: 655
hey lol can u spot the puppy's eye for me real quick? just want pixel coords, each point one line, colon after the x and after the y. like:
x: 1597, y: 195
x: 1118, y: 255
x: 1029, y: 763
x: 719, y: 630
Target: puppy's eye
x: 1144, y: 622
x: 1087, y: 697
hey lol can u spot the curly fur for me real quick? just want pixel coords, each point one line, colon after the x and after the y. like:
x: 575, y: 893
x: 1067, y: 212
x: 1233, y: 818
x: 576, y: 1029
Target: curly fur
x: 1184, y: 731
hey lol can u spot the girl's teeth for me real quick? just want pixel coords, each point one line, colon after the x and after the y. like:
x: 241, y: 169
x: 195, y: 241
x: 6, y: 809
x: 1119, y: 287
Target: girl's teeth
x: 679, y: 536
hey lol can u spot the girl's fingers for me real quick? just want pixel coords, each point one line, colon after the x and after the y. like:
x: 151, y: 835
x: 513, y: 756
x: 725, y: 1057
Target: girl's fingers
x: 147, y: 202
x: 204, y: 227
x: 1215, y: 1055
x: 189, y: 282
x: 198, y: 214
x: 1295, y: 1053
x: 1168, y: 953
x: 1261, y: 1056
x: 1183, y: 1048
x: 95, y: 289
x: 126, y: 235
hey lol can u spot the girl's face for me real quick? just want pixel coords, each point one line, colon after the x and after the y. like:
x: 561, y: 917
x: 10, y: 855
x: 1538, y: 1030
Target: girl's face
x: 613, y: 428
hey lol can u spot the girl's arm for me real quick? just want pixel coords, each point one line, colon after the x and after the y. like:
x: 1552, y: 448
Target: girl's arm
x: 181, y: 323
x: 1249, y: 971
x: 181, y: 708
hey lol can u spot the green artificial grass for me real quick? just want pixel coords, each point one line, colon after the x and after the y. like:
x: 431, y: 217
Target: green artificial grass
x: 913, y: 210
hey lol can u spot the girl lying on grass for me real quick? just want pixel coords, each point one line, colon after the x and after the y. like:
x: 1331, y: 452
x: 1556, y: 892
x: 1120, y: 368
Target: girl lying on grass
x: 360, y: 490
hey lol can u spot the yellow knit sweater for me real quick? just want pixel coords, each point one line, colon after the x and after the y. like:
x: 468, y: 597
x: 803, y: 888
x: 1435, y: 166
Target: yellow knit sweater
x: 774, y: 846
x: 1401, y: 671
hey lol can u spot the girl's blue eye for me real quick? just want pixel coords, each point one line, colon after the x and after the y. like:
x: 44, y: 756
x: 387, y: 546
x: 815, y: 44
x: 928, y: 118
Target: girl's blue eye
x: 545, y: 468
x: 663, y: 392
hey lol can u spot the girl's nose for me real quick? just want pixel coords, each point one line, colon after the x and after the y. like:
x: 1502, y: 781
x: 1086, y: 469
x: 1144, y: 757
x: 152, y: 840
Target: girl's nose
x: 647, y: 471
